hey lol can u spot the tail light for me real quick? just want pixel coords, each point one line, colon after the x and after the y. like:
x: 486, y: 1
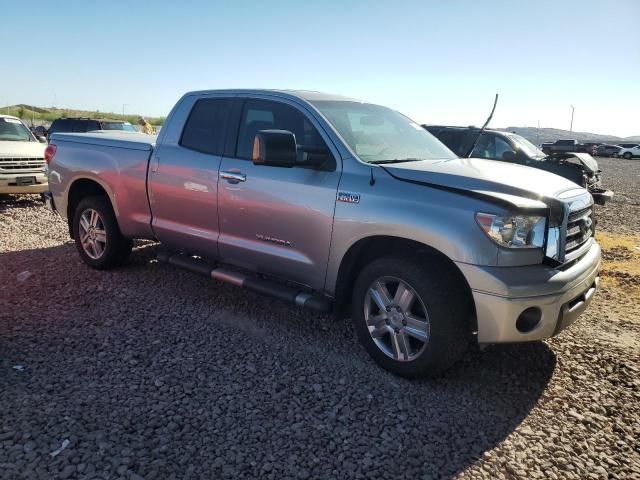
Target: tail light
x: 49, y: 152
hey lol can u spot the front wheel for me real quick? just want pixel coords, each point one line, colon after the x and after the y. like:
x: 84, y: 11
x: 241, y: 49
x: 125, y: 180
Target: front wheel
x: 97, y: 235
x: 411, y: 317
x: 627, y: 155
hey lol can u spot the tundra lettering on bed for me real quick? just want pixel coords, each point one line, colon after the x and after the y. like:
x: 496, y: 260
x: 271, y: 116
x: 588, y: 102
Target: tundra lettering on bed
x: 339, y: 205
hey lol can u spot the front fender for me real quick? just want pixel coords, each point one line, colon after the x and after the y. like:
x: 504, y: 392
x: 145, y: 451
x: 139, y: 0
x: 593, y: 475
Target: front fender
x: 442, y: 220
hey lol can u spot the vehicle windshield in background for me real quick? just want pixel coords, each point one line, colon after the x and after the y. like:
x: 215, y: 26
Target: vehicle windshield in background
x: 527, y: 147
x: 126, y: 126
x: 13, y: 130
x: 381, y: 135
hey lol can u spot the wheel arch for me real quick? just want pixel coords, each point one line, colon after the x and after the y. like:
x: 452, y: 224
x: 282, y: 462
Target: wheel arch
x: 82, y: 188
x: 369, y: 248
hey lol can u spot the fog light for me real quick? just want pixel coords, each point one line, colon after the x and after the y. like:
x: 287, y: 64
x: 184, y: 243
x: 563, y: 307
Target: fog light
x: 528, y: 320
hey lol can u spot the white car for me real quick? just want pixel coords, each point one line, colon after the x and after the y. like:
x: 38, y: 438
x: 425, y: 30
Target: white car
x: 22, y: 165
x: 629, y: 152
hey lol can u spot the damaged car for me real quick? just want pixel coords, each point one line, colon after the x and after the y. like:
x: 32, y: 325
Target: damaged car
x: 580, y: 168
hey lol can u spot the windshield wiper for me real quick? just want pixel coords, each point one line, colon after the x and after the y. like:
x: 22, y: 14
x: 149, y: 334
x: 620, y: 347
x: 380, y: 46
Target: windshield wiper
x: 398, y: 160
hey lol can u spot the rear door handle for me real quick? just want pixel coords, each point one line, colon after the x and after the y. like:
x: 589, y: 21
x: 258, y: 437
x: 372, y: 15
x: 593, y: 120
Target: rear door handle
x: 233, y: 177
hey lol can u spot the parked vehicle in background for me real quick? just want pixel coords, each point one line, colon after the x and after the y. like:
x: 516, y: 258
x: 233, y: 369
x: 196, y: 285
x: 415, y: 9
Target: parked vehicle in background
x: 83, y: 125
x: 509, y: 147
x: 629, y: 152
x: 608, y: 150
x: 22, y: 164
x: 628, y: 145
x: 335, y: 204
x: 567, y: 146
x: 591, y: 147
x: 39, y: 131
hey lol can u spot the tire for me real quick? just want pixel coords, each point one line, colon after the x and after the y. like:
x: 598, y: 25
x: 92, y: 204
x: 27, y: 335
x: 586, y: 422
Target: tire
x: 414, y: 349
x: 97, y: 235
x: 627, y: 155
x: 614, y: 155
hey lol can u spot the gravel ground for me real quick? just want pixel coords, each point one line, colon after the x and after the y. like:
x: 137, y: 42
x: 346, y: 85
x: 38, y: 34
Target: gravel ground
x: 621, y: 214
x: 151, y: 372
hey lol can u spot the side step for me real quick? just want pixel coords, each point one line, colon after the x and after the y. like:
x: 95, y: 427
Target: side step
x: 258, y: 285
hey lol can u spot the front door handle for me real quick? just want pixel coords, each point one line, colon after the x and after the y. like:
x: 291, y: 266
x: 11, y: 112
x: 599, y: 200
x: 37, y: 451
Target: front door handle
x: 233, y: 177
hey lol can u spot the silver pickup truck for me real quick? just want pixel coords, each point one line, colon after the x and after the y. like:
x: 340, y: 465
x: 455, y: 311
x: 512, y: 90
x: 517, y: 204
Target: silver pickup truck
x: 338, y: 205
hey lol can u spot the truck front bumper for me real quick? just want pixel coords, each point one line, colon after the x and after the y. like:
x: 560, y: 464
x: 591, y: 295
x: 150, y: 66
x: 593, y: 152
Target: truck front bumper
x: 519, y: 304
x: 13, y: 184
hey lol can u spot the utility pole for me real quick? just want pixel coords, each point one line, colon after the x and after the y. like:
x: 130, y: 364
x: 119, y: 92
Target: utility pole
x: 571, y: 125
x: 123, y: 106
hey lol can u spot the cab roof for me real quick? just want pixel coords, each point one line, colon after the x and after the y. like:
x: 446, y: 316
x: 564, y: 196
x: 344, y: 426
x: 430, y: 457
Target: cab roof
x: 307, y: 95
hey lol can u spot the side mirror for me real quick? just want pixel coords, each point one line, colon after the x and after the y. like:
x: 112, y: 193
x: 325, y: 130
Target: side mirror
x: 275, y: 148
x: 41, y: 139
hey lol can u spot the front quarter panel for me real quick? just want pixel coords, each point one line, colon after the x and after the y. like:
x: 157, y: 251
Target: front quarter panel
x: 442, y: 220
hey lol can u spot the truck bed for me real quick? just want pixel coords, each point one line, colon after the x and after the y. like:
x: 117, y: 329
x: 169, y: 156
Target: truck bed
x: 134, y: 141
x: 117, y: 162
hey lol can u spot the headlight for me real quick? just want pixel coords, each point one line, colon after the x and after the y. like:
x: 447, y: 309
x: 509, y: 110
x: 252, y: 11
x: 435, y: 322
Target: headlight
x: 513, y: 231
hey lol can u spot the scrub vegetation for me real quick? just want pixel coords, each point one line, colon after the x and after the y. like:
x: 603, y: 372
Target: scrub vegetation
x: 39, y: 115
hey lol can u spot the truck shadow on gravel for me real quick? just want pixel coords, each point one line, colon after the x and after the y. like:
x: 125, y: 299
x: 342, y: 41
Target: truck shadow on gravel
x: 263, y: 381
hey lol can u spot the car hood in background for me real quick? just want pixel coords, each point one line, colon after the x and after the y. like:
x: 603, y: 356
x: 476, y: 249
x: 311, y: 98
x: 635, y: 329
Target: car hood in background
x: 22, y: 149
x: 505, y: 181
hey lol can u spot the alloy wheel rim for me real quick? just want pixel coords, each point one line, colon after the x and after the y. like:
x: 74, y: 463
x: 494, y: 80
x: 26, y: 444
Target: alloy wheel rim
x: 93, y: 236
x: 396, y: 319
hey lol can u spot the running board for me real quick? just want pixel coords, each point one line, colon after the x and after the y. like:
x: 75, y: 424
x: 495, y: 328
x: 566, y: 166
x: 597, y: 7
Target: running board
x: 258, y: 285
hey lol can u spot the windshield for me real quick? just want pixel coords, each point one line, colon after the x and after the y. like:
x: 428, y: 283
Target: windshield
x: 529, y: 149
x: 13, y: 130
x: 381, y: 135
x: 126, y: 126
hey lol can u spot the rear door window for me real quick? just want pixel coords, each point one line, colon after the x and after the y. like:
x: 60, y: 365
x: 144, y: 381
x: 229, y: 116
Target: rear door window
x: 456, y: 140
x: 205, y: 128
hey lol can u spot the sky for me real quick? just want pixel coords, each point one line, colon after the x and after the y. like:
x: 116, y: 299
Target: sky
x: 437, y: 62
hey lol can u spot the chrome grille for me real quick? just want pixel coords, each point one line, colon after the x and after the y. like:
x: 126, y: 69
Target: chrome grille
x: 21, y: 164
x: 580, y: 229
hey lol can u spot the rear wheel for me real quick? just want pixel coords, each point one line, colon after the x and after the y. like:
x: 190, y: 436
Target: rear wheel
x: 411, y: 317
x: 97, y: 235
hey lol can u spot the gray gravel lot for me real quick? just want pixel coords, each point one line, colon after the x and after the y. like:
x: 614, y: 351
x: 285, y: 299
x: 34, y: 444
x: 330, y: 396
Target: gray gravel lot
x: 622, y: 213
x: 152, y: 372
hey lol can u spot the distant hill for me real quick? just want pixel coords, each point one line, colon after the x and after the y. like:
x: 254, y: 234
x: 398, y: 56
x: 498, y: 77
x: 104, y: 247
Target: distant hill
x: 42, y: 115
x: 541, y: 135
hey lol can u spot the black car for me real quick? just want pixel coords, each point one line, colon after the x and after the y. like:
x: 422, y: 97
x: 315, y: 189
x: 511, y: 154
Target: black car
x: 608, y: 150
x: 580, y: 168
x: 83, y: 125
x: 39, y: 131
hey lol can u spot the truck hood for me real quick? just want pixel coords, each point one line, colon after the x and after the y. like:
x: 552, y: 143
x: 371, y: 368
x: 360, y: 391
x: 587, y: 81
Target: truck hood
x: 22, y: 149
x: 517, y: 185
